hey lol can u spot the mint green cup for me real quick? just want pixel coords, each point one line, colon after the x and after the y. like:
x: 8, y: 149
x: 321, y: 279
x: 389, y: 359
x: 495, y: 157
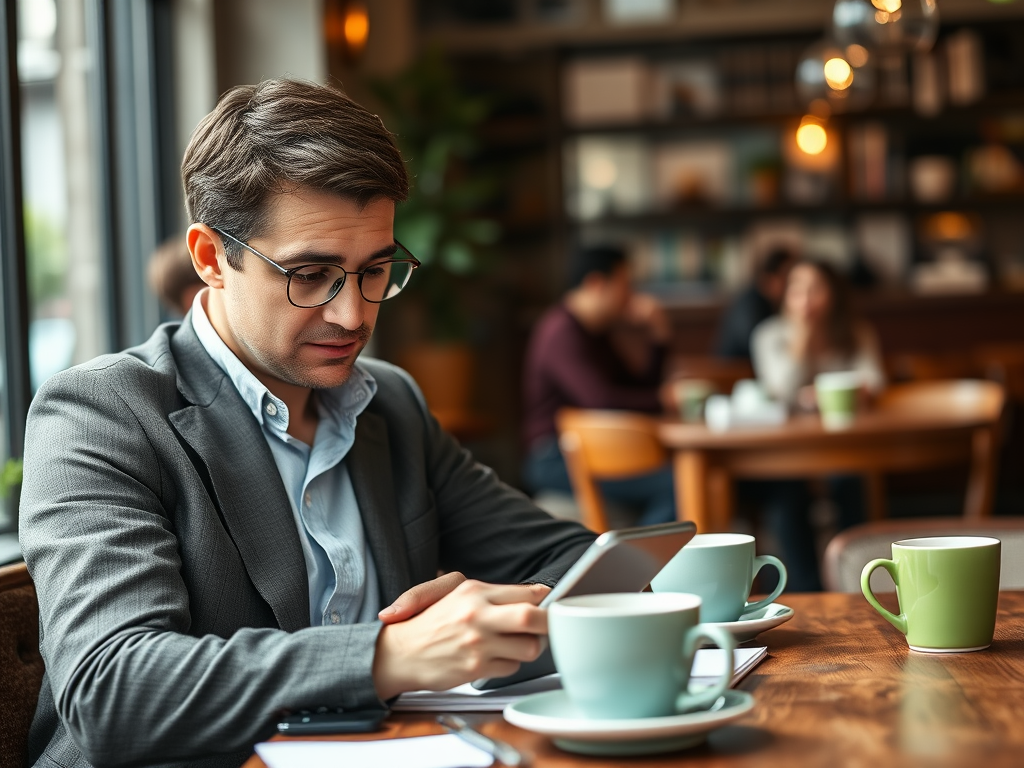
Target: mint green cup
x: 837, y: 398
x: 948, y: 589
x: 629, y: 655
x: 720, y: 569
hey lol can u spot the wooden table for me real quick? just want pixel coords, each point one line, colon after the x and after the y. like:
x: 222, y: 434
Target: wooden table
x: 840, y: 688
x: 912, y: 427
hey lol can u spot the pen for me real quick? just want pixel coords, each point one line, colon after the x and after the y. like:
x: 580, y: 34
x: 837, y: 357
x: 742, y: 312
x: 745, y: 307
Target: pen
x: 502, y: 752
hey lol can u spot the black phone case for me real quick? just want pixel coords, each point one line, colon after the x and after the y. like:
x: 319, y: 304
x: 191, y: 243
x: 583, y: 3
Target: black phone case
x: 312, y: 723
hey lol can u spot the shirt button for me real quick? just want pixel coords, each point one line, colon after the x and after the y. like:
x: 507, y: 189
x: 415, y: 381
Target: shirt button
x: 307, y: 500
x: 271, y: 409
x: 335, y: 617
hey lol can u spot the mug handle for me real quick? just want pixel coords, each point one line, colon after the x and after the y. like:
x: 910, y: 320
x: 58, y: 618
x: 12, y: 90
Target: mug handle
x: 689, y: 701
x: 900, y: 622
x: 760, y: 562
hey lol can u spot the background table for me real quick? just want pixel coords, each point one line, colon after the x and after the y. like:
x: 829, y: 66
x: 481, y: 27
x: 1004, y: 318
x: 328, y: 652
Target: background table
x: 840, y: 688
x: 912, y: 427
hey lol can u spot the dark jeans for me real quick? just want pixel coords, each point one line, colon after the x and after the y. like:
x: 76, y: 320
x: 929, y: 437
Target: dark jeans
x: 784, y: 506
x: 653, y: 495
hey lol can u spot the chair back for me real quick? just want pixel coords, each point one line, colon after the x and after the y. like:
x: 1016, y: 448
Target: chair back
x: 21, y: 666
x: 973, y: 398
x: 721, y: 373
x: 605, y: 445
x: 848, y: 553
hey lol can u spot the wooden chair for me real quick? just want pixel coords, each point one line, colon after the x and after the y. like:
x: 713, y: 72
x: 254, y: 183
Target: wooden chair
x: 848, y: 553
x: 605, y: 445
x: 21, y: 666
x: 979, y: 401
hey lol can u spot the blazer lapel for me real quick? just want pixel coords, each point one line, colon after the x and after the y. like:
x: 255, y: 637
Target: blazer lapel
x: 369, y: 465
x: 222, y: 431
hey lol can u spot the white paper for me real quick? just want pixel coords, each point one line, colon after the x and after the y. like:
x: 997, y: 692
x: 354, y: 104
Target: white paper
x: 448, y: 751
x: 707, y: 666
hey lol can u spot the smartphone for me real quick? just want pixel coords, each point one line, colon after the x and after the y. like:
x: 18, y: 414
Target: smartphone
x: 618, y: 561
x: 326, y: 720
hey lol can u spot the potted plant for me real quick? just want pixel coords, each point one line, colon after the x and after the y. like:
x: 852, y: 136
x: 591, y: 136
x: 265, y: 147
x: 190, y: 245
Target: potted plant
x: 438, y: 124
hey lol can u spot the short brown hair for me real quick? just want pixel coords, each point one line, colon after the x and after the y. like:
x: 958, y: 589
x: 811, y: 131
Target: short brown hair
x: 260, y: 139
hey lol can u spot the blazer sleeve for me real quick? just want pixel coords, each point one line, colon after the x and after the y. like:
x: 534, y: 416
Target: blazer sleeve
x: 489, y: 530
x: 128, y: 680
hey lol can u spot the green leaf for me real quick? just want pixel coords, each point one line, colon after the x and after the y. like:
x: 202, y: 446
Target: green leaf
x: 457, y: 258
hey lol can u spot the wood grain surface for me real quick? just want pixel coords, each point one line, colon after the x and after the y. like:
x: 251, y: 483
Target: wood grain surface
x: 840, y: 688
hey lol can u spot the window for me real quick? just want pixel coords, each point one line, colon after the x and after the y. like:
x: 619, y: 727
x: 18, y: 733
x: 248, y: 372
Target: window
x: 58, y: 64
x: 85, y: 193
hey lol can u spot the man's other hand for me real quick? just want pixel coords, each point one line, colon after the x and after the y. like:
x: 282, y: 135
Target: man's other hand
x: 474, y: 630
x: 420, y: 597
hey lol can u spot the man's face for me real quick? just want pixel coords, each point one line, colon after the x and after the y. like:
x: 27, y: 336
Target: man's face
x: 617, y: 291
x: 316, y: 347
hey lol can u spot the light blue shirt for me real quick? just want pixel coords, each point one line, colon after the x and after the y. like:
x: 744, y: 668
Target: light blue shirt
x: 342, y: 578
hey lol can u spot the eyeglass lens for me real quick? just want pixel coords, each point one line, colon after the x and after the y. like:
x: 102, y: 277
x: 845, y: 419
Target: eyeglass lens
x: 319, y: 283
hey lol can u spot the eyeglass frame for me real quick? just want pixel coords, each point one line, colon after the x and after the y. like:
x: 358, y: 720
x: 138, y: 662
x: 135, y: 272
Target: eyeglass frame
x: 289, y: 272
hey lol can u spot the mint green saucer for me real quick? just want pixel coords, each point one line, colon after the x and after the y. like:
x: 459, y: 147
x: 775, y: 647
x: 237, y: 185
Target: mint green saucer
x: 750, y: 626
x: 552, y: 714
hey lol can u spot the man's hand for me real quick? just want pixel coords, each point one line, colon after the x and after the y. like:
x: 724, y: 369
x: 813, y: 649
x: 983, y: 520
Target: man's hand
x: 475, y: 630
x: 420, y: 597
x: 644, y: 310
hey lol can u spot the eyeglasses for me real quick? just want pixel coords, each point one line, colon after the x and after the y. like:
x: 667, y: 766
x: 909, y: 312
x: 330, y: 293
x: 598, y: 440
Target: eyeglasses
x: 313, y: 285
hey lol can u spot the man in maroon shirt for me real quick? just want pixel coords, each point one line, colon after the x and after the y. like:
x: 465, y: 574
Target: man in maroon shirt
x: 573, y: 361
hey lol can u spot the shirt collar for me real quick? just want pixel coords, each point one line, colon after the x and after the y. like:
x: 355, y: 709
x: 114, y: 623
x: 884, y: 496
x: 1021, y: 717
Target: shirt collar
x: 346, y: 400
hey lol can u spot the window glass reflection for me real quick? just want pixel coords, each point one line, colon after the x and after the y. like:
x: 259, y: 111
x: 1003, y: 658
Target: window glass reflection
x: 57, y: 65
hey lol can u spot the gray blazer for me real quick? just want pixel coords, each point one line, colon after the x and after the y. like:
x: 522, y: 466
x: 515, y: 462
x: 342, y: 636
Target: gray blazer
x: 174, y: 617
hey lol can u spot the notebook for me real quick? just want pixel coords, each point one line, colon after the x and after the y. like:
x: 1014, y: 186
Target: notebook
x: 707, y: 665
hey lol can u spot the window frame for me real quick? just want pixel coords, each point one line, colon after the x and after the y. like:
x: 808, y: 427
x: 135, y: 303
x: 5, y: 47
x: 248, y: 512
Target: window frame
x: 137, y: 184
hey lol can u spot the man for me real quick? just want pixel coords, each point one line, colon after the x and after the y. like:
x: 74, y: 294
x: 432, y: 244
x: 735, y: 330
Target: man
x: 216, y: 519
x: 573, y: 361
x: 759, y: 301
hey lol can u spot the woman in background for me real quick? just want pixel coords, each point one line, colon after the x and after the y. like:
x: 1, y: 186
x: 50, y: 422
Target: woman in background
x: 814, y: 333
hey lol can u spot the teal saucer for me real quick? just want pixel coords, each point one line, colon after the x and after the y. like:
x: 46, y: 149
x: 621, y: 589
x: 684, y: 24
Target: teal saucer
x: 553, y: 714
x: 750, y: 626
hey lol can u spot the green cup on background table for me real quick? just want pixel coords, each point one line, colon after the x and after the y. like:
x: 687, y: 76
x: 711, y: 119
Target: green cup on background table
x: 948, y: 589
x: 837, y: 397
x: 690, y: 396
x: 629, y: 655
x: 720, y: 569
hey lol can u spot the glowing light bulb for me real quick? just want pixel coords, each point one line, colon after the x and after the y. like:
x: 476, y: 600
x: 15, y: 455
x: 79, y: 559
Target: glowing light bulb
x: 857, y: 55
x: 357, y: 26
x: 889, y: 6
x: 811, y: 137
x: 838, y: 74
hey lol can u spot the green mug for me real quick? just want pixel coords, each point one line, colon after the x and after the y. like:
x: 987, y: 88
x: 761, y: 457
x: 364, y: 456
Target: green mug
x: 629, y: 655
x: 947, y: 587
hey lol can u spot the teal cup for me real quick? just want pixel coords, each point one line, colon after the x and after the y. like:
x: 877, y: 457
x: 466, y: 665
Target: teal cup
x: 948, y: 590
x: 720, y: 569
x: 629, y: 655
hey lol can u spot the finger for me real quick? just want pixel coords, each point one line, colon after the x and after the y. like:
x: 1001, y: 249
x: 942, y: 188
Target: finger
x: 504, y: 594
x: 497, y: 668
x: 518, y: 648
x: 420, y: 597
x: 515, y: 619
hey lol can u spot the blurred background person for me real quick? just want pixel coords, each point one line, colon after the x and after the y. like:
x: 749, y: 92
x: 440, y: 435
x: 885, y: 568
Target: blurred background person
x: 573, y: 361
x: 814, y: 333
x: 172, y: 277
x: 755, y: 304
